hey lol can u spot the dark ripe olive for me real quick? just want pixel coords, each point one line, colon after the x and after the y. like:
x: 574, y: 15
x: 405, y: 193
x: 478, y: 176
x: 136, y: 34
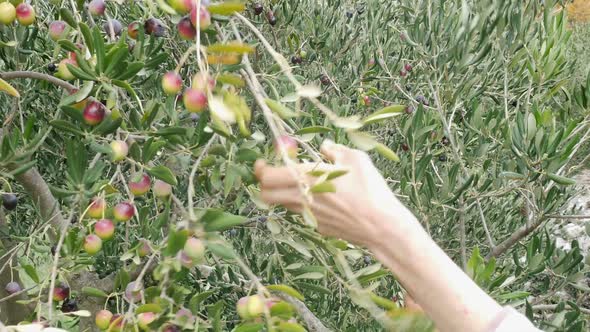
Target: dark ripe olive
x: 9, y: 201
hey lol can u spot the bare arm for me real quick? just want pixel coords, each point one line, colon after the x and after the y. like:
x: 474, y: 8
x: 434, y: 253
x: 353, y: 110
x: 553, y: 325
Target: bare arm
x: 446, y: 294
x: 363, y: 210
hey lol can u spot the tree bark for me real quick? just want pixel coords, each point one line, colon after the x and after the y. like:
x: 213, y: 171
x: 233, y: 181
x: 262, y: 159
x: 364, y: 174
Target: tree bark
x: 313, y: 323
x: 515, y: 237
x: 10, y: 311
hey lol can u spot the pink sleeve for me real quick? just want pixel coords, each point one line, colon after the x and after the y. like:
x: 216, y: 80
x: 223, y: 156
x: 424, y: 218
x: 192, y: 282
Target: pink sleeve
x: 510, y: 320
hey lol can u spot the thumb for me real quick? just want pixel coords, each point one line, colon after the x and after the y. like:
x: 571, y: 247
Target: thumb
x: 336, y: 153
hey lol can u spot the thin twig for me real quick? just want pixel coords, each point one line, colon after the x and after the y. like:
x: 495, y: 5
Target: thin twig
x: 551, y: 307
x: 191, y: 185
x: 485, y: 225
x: 13, y: 295
x: 62, y: 236
x: 38, y: 76
x: 138, y: 282
x: 462, y: 235
x: 571, y: 216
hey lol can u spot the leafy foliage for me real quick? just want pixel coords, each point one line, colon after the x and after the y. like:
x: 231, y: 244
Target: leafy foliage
x: 469, y: 106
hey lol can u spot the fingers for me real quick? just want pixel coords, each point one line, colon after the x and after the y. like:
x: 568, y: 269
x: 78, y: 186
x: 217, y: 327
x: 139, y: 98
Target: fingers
x: 334, y: 152
x: 340, y: 154
x: 285, y: 176
x: 282, y: 196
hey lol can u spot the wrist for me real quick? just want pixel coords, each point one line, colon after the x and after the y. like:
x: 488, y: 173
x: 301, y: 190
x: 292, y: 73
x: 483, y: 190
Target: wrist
x: 394, y: 232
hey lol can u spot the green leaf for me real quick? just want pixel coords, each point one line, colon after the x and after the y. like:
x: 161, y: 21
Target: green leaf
x: 561, y: 179
x: 247, y: 155
x: 165, y: 7
x: 80, y: 313
x: 6, y: 87
x: 163, y: 173
x: 214, y: 314
x: 383, y: 302
x: 99, y: 49
x: 79, y: 95
x: 373, y: 276
x: 323, y: 187
x: 11, y: 43
x: 87, y: 34
x: 310, y: 275
x: 282, y: 309
x: 176, y: 241
x: 23, y: 168
x: 512, y: 176
x: 113, y: 60
x: 517, y: 295
x: 281, y: 110
x: 67, y: 16
x: 363, y: 141
x: 148, y: 307
x: 218, y: 220
x: 287, y: 290
x: 132, y: 69
x: 226, y: 8
x: 313, y: 130
x: 249, y: 327
x: 231, y: 79
x: 68, y: 45
x: 108, y: 126
x: 384, y: 114
x: 330, y: 175
x: 31, y: 272
x: 94, y: 292
x: 230, y: 47
x: 167, y: 131
x: 65, y: 125
x: 76, y: 159
x: 127, y: 87
x: 221, y: 250
x: 386, y: 152
x: 290, y: 327
x: 156, y: 60
x: 314, y: 288
x: 196, y: 300
x: 73, y: 113
x: 79, y: 73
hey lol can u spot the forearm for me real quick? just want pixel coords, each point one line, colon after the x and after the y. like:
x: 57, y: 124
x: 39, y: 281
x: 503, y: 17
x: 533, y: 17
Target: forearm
x: 442, y: 289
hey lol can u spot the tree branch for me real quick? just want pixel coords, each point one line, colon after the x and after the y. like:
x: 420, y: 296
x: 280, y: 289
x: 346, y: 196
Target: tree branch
x: 462, y: 235
x: 551, y: 307
x: 515, y: 237
x: 313, y: 323
x: 571, y: 216
x: 38, y: 76
x: 37, y: 188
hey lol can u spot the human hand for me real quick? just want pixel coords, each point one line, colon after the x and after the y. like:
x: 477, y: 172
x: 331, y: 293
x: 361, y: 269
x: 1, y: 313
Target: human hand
x: 353, y: 211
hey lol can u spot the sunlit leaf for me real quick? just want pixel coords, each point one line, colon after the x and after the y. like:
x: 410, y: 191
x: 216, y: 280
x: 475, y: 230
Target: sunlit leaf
x: 95, y: 292
x: 226, y: 8
x: 221, y: 110
x: 230, y: 47
x: 309, y: 91
x: 362, y: 140
x: 287, y: 290
x: 313, y: 130
x: 4, y: 86
x: 323, y: 187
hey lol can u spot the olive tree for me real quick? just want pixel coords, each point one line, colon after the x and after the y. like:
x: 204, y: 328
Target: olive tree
x: 130, y: 130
